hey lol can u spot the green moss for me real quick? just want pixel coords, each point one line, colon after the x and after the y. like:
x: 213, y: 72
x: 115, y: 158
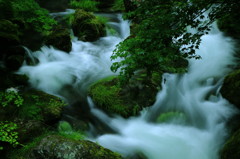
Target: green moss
x: 60, y: 38
x: 40, y: 106
x: 86, y: 26
x: 22, y: 153
x: 106, y: 96
x: 88, y: 5
x: 65, y: 129
x: 125, y: 100
x: 171, y: 117
x: 118, y: 5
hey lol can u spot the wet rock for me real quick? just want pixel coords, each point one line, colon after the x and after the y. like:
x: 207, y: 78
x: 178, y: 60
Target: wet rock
x: 60, y: 38
x: 9, y: 79
x: 31, y: 105
x: 231, y: 88
x: 14, y: 62
x: 29, y: 129
x: 231, y: 149
x: 58, y: 147
x: 126, y: 100
x: 41, y: 106
x: 87, y: 27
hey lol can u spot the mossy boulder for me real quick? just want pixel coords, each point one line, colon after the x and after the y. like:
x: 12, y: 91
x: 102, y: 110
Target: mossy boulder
x: 30, y: 105
x: 125, y: 100
x: 231, y: 149
x: 60, y: 38
x: 231, y: 88
x: 41, y: 106
x: 59, y: 147
x: 86, y: 26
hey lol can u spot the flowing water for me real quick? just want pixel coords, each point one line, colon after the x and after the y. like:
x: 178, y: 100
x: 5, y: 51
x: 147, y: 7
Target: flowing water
x: 196, y: 130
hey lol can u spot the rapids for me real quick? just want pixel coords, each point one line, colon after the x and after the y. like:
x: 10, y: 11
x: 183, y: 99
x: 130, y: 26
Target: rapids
x: 201, y: 131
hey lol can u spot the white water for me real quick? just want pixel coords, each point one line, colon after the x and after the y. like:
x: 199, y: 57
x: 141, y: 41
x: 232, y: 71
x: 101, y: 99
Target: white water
x: 87, y: 62
x: 195, y: 94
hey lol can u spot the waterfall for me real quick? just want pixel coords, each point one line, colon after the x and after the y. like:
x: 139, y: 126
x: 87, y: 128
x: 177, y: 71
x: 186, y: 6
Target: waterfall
x: 69, y: 74
x: 197, y: 128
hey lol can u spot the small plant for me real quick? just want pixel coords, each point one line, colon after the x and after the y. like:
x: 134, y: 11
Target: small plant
x: 118, y: 5
x: 87, y: 5
x: 8, y: 133
x: 11, y: 97
x: 65, y: 129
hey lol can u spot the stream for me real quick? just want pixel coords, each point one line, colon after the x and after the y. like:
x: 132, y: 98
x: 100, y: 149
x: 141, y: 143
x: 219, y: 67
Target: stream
x: 196, y: 128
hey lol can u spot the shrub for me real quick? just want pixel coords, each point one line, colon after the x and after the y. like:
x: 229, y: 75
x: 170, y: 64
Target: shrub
x: 87, y: 5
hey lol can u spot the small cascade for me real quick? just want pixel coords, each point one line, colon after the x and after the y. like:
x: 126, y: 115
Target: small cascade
x: 197, y: 130
x: 69, y: 74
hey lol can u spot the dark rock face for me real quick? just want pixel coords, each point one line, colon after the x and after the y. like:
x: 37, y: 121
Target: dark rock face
x: 231, y: 88
x: 60, y: 38
x: 54, y: 5
x: 231, y: 149
x: 58, y: 147
x: 8, y: 34
x: 103, y: 4
x: 87, y: 27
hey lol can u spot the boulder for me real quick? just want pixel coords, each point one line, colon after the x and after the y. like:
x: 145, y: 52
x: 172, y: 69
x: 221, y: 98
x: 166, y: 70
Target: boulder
x: 125, y: 100
x: 231, y: 88
x: 31, y: 105
x: 41, y: 106
x: 60, y: 38
x: 86, y: 26
x: 59, y: 147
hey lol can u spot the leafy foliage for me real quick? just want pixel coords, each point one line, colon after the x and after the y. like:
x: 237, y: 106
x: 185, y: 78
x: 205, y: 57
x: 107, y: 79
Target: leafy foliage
x: 10, y: 97
x: 27, y: 13
x: 160, y: 38
x: 118, y: 5
x: 88, y: 5
x: 8, y: 133
x: 66, y: 130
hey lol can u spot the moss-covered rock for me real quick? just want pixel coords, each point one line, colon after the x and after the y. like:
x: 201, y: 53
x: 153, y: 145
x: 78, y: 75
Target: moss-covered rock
x: 231, y: 88
x: 30, y: 105
x: 126, y: 100
x: 38, y: 105
x: 231, y: 149
x: 59, y: 147
x: 60, y: 38
x: 86, y: 26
